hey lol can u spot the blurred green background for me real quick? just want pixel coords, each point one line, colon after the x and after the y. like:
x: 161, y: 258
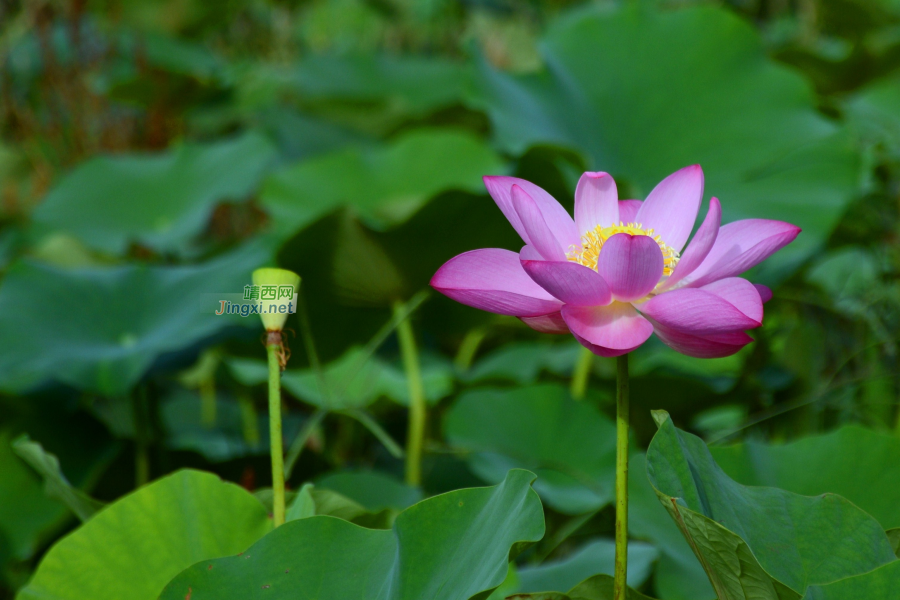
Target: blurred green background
x: 154, y: 152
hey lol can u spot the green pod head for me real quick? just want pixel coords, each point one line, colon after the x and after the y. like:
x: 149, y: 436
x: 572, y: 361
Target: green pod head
x: 273, y: 284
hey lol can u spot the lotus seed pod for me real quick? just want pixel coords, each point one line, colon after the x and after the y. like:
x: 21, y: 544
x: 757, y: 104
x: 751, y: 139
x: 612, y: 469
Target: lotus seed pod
x: 277, y: 289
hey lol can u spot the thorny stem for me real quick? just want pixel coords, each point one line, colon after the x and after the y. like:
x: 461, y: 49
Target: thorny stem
x: 581, y: 374
x: 620, y: 587
x: 416, y: 432
x: 275, y: 352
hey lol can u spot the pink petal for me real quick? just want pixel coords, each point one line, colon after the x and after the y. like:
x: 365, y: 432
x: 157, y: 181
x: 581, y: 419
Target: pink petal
x: 628, y: 210
x: 600, y: 350
x: 631, y: 265
x: 700, y: 246
x: 570, y: 282
x: 596, y: 202
x: 607, y: 330
x: 698, y: 312
x: 765, y: 293
x: 550, y: 323
x: 713, y: 346
x: 740, y: 293
x: 741, y: 245
x: 671, y: 208
x: 539, y: 234
x: 529, y: 253
x: 556, y: 217
x: 493, y: 280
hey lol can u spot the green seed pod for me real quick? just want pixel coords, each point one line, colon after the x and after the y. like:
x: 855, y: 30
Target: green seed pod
x: 273, y: 284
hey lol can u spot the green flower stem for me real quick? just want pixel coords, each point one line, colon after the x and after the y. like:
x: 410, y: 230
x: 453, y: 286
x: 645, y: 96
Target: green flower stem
x: 273, y: 349
x: 581, y: 374
x: 468, y: 348
x: 620, y: 586
x: 416, y: 434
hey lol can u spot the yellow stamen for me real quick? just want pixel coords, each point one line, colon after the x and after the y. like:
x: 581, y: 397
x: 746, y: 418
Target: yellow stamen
x: 592, y: 242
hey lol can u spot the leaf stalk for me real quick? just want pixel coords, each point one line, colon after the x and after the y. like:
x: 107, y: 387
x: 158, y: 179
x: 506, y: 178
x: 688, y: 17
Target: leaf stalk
x: 416, y: 432
x: 274, y: 351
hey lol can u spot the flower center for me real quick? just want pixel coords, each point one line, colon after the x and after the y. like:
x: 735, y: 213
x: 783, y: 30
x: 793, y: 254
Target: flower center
x: 592, y: 242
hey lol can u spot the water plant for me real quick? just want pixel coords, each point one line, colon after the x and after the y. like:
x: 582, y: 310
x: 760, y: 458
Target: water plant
x: 616, y: 274
x: 277, y: 360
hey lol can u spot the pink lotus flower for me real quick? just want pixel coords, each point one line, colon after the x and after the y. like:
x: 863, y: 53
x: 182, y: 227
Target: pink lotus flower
x: 616, y: 273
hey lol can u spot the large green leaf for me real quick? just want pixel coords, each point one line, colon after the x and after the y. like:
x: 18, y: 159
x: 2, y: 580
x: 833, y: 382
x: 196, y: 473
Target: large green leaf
x: 134, y: 546
x: 859, y: 464
x: 759, y: 543
x: 848, y: 275
x: 161, y: 201
x: 678, y: 574
x: 883, y: 582
x: 384, y: 185
x: 874, y: 112
x: 452, y: 546
x: 569, y: 444
x: 643, y: 92
x: 100, y: 329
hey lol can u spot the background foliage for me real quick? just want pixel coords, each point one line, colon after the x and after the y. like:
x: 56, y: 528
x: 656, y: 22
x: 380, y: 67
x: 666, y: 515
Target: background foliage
x: 154, y: 152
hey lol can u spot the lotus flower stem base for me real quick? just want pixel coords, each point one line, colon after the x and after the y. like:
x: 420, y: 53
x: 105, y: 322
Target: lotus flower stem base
x: 620, y: 587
